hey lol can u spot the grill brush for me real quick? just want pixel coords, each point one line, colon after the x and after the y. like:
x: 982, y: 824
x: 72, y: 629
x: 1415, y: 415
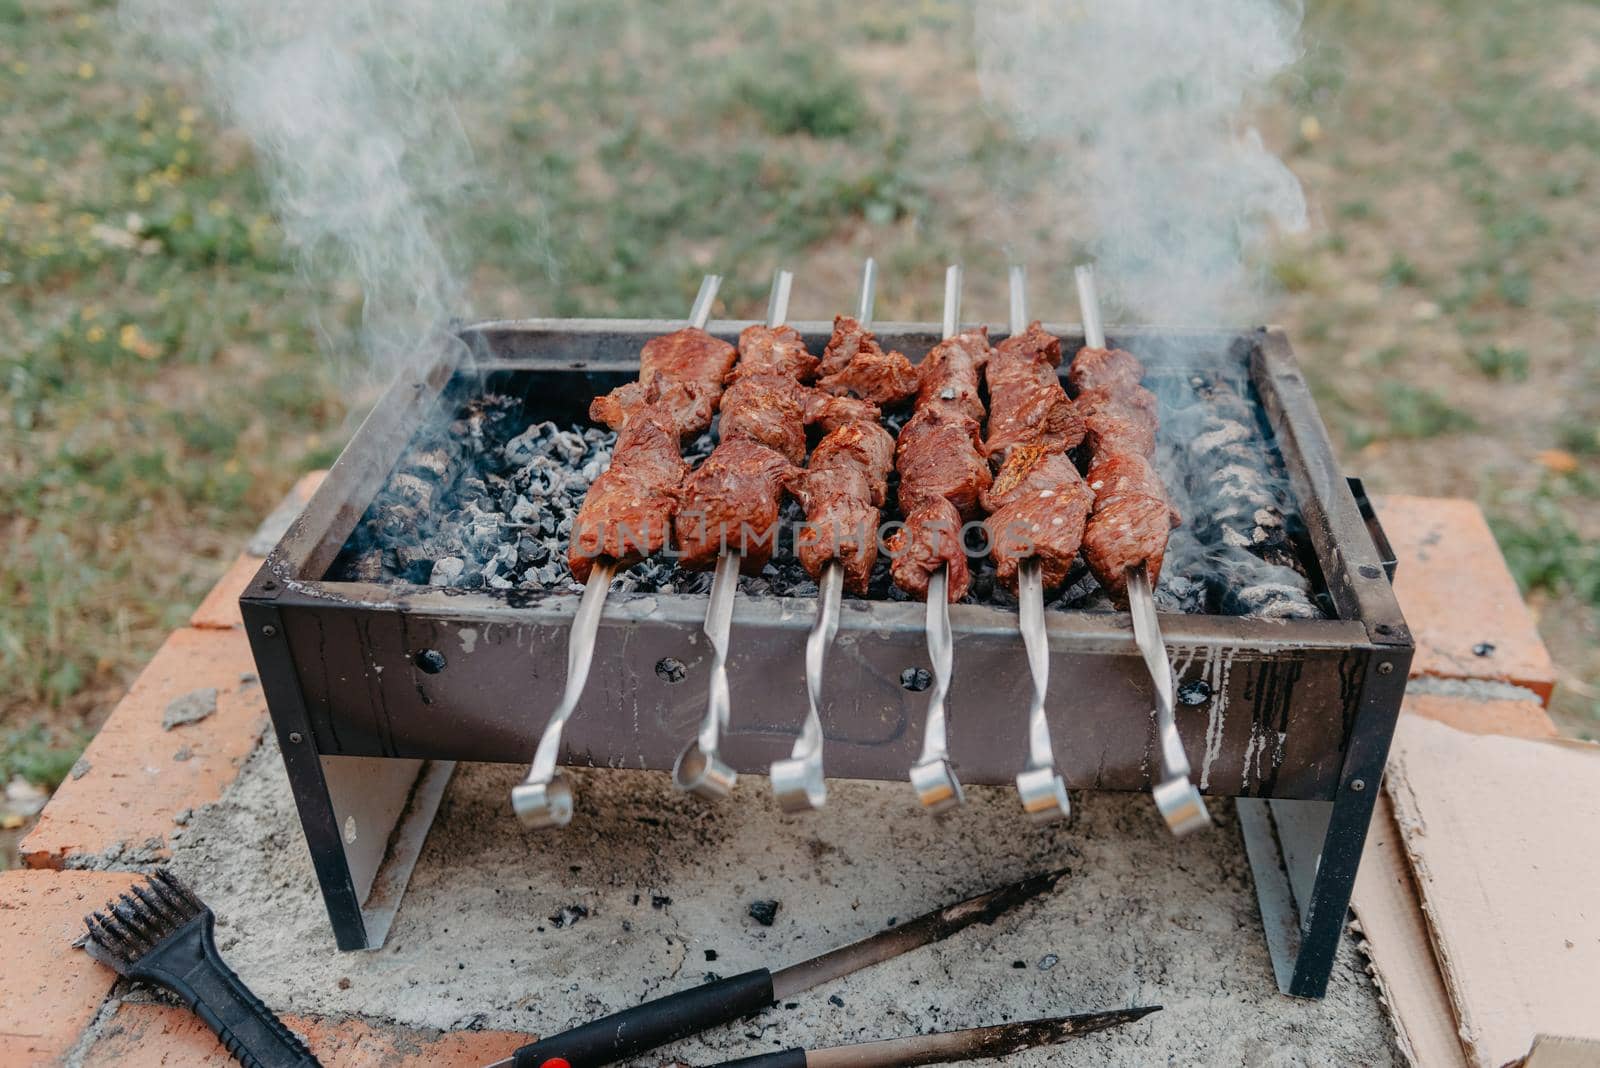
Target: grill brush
x: 160, y: 932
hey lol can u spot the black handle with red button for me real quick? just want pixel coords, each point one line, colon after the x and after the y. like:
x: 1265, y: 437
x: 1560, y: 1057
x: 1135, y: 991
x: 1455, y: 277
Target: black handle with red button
x: 655, y: 1023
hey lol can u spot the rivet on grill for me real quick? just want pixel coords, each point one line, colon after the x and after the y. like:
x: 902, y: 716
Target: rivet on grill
x: 671, y: 669
x: 294, y: 736
x: 916, y: 679
x: 270, y: 631
x: 1386, y: 668
x: 431, y: 660
x: 1369, y: 571
x: 1358, y: 785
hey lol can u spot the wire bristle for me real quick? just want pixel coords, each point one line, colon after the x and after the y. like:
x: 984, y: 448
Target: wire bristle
x: 138, y: 921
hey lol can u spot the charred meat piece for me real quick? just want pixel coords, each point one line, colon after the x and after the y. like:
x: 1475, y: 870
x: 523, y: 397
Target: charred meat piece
x: 949, y: 374
x: 1027, y: 405
x: 691, y: 404
x: 768, y: 409
x: 862, y: 445
x: 842, y: 492
x: 1125, y: 531
x: 831, y: 412
x: 774, y: 350
x: 939, y: 457
x: 930, y: 539
x: 841, y: 524
x: 1111, y: 369
x: 627, y: 513
x: 855, y: 365
x: 1131, y: 518
x: 689, y: 359
x: 731, y: 502
x: 1037, y: 507
x: 1121, y: 420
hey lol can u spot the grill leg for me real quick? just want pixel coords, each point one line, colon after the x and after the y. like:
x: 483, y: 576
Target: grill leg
x: 365, y: 818
x: 1304, y: 854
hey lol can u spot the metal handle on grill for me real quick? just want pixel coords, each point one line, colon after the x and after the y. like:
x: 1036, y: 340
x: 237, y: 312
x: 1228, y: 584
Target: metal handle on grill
x: 700, y: 769
x: 544, y: 798
x: 1176, y: 797
x: 932, y: 775
x: 1043, y: 792
x: 798, y: 782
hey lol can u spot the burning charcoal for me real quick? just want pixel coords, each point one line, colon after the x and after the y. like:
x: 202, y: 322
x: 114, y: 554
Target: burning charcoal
x: 434, y: 463
x: 522, y: 509
x: 447, y: 571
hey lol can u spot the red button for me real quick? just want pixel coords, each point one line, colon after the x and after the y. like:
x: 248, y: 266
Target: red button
x: 556, y: 1062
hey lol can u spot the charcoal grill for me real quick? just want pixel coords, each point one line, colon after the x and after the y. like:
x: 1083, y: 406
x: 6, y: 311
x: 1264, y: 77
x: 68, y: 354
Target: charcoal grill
x: 376, y: 689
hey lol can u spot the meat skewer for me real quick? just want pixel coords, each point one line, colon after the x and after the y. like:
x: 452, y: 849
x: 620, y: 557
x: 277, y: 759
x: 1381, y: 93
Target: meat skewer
x: 645, y: 467
x: 1038, y: 505
x: 842, y: 491
x: 942, y: 473
x: 743, y: 480
x: 1127, y: 534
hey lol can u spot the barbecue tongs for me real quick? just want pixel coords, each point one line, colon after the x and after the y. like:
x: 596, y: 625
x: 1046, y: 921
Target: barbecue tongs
x: 627, y: 1034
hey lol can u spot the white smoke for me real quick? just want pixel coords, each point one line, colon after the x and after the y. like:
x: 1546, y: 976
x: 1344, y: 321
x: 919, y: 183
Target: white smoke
x: 353, y: 109
x: 1143, y: 103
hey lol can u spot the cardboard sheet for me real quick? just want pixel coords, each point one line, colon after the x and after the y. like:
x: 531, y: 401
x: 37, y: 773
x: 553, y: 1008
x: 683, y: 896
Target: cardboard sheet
x: 1503, y: 835
x: 1395, y: 941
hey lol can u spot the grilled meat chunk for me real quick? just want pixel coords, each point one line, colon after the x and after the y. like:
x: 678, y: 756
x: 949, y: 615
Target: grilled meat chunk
x: 948, y: 375
x: 1131, y: 518
x: 855, y: 365
x: 1026, y: 402
x: 939, y: 456
x: 731, y: 501
x: 1125, y: 531
x: 842, y: 492
x: 689, y: 365
x: 1104, y: 368
x: 1119, y: 420
x: 831, y: 413
x: 774, y: 350
x: 930, y: 539
x: 1037, y: 507
x: 691, y: 404
x: 768, y: 409
x: 627, y: 513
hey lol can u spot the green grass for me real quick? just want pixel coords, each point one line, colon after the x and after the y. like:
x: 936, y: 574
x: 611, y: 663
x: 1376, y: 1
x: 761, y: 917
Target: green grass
x: 1416, y: 412
x: 1496, y: 362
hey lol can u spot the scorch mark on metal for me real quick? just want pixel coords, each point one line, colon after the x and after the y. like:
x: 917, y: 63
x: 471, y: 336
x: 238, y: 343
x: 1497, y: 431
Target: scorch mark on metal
x: 1218, y: 668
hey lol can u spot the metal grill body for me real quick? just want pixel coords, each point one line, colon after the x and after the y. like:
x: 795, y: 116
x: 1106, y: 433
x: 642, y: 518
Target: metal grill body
x: 376, y: 689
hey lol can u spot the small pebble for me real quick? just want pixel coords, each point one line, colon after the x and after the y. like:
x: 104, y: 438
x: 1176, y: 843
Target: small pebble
x: 1048, y: 961
x: 835, y: 999
x: 764, y: 912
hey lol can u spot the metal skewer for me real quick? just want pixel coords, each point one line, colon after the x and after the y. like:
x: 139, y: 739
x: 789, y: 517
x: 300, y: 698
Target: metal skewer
x: 700, y: 769
x: 1043, y: 792
x: 934, y: 779
x: 798, y: 782
x: 1176, y: 797
x: 544, y: 798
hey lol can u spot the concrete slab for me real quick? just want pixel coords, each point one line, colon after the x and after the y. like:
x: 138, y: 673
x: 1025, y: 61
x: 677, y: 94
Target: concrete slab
x: 649, y: 892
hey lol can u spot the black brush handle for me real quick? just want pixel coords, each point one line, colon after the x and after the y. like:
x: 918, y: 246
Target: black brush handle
x: 784, y: 1058
x: 655, y: 1023
x: 188, y: 964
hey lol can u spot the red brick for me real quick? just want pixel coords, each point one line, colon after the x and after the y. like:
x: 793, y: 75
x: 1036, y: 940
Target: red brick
x: 220, y: 609
x: 1458, y: 596
x: 1524, y: 719
x: 146, y: 1035
x: 136, y: 781
x: 49, y: 991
